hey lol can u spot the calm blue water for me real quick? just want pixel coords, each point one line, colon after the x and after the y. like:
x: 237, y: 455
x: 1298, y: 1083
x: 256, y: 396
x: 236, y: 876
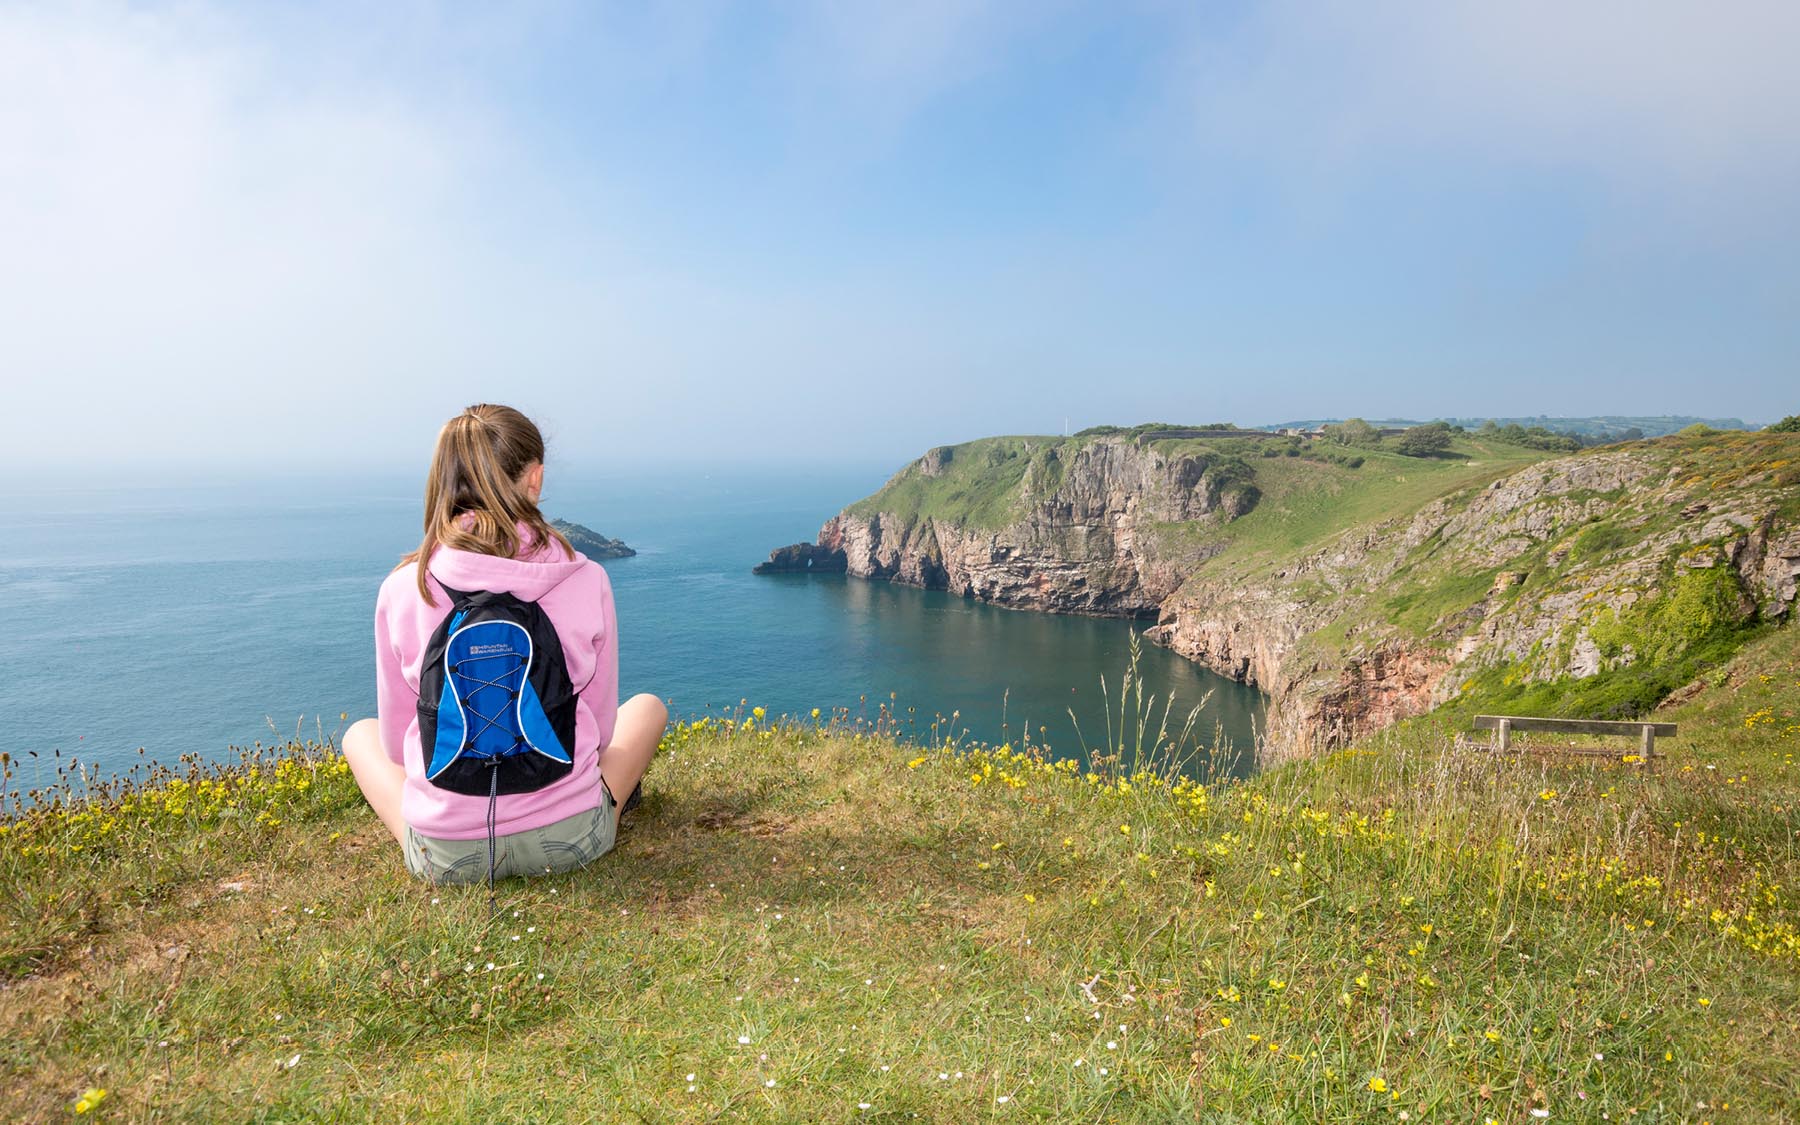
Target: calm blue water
x: 188, y: 619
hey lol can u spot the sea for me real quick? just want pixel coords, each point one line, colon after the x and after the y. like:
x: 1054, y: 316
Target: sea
x: 151, y: 621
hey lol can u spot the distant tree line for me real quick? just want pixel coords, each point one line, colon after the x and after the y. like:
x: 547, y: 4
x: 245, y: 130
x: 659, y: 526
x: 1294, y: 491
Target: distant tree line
x: 1430, y: 439
x: 1434, y: 438
x: 1427, y: 440
x: 1534, y: 437
x: 1149, y: 428
x: 1605, y: 429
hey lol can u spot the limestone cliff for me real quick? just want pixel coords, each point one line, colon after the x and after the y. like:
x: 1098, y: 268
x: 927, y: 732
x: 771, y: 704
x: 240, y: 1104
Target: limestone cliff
x: 1356, y: 594
x: 1042, y: 524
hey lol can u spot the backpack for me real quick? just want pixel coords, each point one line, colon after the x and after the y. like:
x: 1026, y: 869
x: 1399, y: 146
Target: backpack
x: 496, y: 706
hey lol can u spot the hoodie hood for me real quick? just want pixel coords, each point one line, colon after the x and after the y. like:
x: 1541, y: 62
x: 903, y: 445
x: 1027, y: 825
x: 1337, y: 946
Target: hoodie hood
x: 528, y: 578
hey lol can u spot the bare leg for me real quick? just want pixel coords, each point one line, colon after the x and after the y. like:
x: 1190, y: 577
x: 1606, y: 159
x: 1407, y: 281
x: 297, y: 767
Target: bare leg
x: 635, y: 735
x: 380, y: 779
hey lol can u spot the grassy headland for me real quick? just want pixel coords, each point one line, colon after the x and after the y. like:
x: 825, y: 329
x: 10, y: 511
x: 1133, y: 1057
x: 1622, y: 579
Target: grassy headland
x: 1306, y: 489
x: 812, y: 922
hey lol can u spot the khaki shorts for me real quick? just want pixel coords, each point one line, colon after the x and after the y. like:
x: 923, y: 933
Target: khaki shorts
x: 570, y: 843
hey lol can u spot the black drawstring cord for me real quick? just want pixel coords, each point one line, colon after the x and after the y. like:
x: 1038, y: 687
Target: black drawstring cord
x: 493, y: 794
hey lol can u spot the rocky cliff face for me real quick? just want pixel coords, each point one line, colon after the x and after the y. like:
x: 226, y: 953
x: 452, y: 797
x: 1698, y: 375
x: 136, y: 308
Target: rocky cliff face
x: 1565, y: 550
x: 801, y: 558
x: 1073, y: 541
x: 1545, y: 572
x: 591, y: 543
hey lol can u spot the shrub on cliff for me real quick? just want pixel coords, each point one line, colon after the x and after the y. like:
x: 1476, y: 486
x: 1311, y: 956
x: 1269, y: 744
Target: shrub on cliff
x: 1424, y: 441
x: 1352, y: 431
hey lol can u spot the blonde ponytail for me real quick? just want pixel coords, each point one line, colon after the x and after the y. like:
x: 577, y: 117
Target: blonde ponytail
x: 475, y: 497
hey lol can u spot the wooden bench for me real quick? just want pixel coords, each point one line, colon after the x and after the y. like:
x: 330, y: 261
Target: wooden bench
x: 1646, y: 733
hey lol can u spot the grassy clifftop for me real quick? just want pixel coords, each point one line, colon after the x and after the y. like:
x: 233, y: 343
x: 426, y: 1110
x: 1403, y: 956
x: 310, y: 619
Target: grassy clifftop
x: 1306, y: 489
x: 812, y: 922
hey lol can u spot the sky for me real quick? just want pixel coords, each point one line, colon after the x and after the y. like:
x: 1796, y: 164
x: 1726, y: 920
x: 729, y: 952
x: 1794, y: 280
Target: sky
x: 301, y: 236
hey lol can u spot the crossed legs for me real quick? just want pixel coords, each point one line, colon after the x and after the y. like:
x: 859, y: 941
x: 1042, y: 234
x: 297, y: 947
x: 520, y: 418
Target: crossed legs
x: 622, y: 761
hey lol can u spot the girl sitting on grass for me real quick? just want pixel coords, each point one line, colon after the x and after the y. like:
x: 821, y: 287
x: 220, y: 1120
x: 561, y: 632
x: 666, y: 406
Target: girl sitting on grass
x: 485, y: 537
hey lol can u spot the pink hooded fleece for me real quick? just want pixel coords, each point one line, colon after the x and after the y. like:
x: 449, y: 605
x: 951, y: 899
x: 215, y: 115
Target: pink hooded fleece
x: 578, y: 599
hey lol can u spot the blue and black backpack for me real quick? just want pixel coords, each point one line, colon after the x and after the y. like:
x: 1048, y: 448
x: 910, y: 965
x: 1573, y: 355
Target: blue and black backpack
x: 496, y: 706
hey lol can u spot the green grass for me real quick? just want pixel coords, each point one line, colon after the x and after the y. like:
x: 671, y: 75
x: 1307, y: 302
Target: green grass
x: 1419, y: 608
x: 848, y: 918
x: 981, y: 486
x: 1304, y: 503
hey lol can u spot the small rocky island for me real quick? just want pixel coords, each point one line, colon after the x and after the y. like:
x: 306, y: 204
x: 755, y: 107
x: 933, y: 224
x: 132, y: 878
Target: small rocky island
x: 591, y: 543
x: 803, y: 558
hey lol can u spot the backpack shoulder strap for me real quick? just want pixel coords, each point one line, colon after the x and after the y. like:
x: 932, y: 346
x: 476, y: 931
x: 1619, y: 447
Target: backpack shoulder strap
x: 457, y: 597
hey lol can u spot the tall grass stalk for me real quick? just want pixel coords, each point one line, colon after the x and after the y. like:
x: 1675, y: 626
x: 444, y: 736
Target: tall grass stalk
x: 1138, y: 742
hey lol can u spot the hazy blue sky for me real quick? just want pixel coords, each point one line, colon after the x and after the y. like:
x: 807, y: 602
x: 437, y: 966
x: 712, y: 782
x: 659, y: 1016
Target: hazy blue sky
x: 275, y: 235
